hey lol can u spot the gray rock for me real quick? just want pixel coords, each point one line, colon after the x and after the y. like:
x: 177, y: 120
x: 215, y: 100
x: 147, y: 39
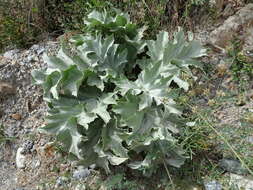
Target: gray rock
x: 228, y: 11
x: 30, y: 58
x: 12, y: 54
x: 27, y: 147
x: 61, y: 181
x: 24, y: 98
x: 20, y: 159
x: 213, y: 185
x: 236, y: 25
x: 250, y: 139
x: 40, y: 51
x: 81, y: 173
x: 233, y: 166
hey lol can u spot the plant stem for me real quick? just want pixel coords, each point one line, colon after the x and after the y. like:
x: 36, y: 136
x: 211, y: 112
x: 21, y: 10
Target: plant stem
x: 168, y: 173
x: 166, y: 168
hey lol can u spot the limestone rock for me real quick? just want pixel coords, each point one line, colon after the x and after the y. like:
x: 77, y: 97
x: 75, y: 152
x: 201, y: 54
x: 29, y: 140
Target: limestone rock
x: 240, y: 24
x: 20, y: 159
x: 81, y: 173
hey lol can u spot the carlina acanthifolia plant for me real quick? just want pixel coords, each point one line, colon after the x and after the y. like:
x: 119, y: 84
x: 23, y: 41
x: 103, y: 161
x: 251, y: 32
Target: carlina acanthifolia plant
x: 110, y: 99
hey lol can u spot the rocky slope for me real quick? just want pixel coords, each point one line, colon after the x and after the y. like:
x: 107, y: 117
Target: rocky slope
x: 30, y: 161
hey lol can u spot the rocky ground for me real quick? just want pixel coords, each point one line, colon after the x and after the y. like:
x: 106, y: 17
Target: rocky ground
x: 22, y: 111
x: 29, y: 160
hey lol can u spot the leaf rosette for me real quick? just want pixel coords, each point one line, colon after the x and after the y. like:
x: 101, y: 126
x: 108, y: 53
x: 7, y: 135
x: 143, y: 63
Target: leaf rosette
x: 111, y: 98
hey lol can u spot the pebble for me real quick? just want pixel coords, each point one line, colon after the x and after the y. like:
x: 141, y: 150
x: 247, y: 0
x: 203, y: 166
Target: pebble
x: 35, y: 47
x: 213, y: 185
x: 61, y: 181
x: 7, y: 88
x: 20, y: 159
x: 233, y: 166
x: 250, y: 139
x: 81, y: 173
x: 64, y: 167
x: 27, y: 147
x: 40, y: 51
x: 16, y: 116
x: 30, y: 58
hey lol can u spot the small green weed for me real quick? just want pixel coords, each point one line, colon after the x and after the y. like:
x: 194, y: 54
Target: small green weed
x: 241, y: 68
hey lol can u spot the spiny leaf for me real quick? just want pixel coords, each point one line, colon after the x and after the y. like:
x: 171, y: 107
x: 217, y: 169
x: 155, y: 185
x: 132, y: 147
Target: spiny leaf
x: 64, y: 125
x: 114, y: 62
x: 150, y: 83
x: 100, y: 106
x: 127, y: 106
x: 85, y: 119
x: 97, y: 48
x: 71, y: 80
x: 156, y: 48
x: 120, y: 24
x: 176, y: 55
x: 95, y: 80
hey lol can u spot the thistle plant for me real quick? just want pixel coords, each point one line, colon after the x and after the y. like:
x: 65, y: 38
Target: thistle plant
x: 110, y: 99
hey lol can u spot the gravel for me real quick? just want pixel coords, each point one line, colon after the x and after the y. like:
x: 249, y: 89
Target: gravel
x: 22, y: 109
x: 27, y: 100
